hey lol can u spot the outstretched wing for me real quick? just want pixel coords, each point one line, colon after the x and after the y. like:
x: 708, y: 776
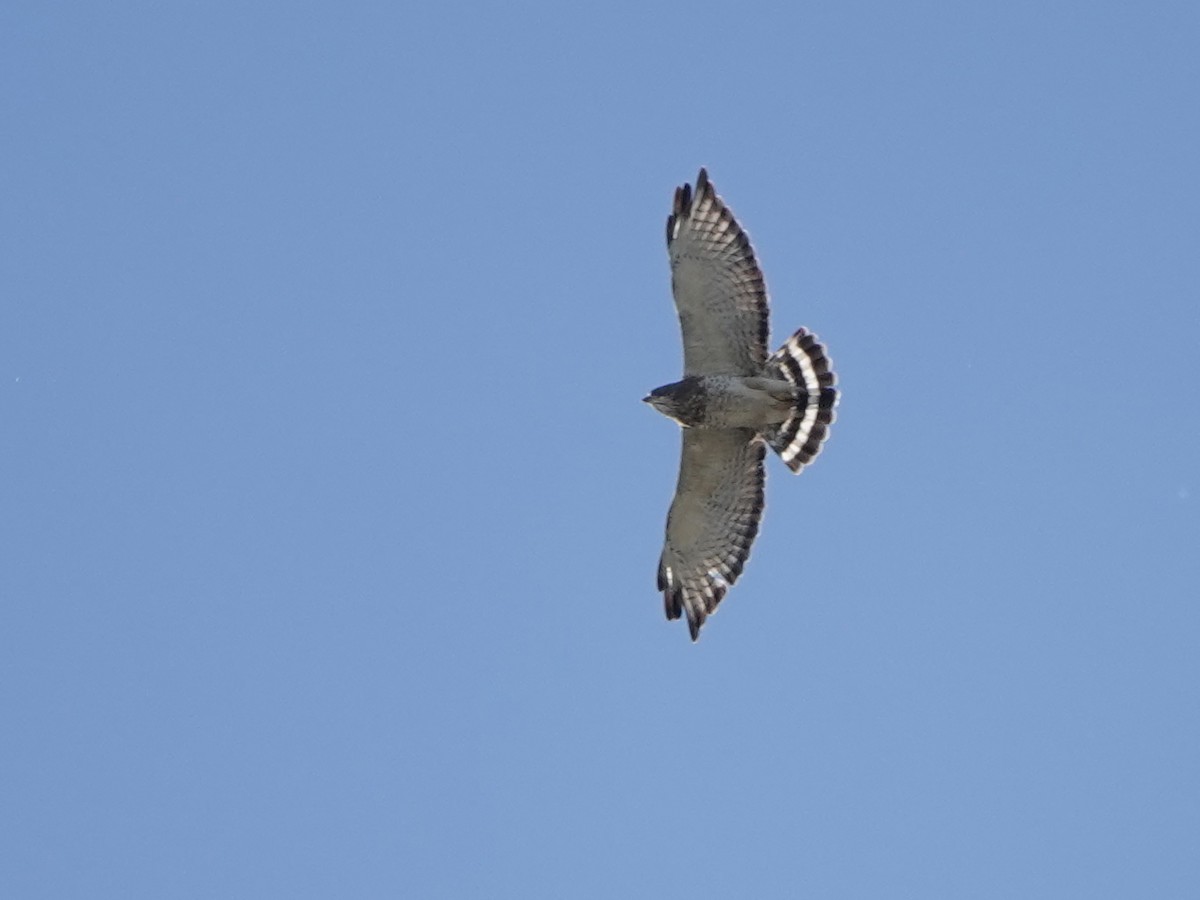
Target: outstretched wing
x: 718, y: 287
x: 713, y: 520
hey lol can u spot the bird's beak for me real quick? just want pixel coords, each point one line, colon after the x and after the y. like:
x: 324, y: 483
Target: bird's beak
x: 646, y: 399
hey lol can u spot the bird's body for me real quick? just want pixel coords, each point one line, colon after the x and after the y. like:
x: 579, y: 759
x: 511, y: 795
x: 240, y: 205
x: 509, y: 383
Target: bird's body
x: 725, y: 401
x: 733, y: 401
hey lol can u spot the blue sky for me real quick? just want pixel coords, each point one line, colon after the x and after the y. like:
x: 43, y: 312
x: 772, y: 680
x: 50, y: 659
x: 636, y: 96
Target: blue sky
x: 331, y: 513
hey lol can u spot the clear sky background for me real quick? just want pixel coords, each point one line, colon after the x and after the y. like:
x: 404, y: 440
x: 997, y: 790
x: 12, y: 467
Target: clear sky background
x: 330, y: 512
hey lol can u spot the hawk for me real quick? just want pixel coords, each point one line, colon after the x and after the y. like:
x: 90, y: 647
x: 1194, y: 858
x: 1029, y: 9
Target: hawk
x: 734, y: 401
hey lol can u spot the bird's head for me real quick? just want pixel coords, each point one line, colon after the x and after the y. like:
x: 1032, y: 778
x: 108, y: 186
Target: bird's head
x: 676, y: 401
x: 661, y: 399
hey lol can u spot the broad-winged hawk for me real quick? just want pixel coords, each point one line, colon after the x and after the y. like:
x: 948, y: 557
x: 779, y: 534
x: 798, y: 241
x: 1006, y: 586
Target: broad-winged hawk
x: 733, y: 402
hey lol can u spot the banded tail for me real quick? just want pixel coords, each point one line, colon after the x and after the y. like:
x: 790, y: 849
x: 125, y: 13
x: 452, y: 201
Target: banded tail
x: 802, y: 361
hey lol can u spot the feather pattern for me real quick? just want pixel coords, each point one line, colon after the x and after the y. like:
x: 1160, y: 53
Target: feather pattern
x: 719, y: 290
x: 803, y: 363
x: 713, y: 520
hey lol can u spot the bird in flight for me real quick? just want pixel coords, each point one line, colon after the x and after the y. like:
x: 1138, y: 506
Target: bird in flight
x: 733, y: 402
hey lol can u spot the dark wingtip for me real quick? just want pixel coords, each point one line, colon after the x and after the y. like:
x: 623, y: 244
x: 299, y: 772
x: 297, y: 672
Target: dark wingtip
x: 672, y: 596
x: 683, y: 200
x: 681, y: 207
